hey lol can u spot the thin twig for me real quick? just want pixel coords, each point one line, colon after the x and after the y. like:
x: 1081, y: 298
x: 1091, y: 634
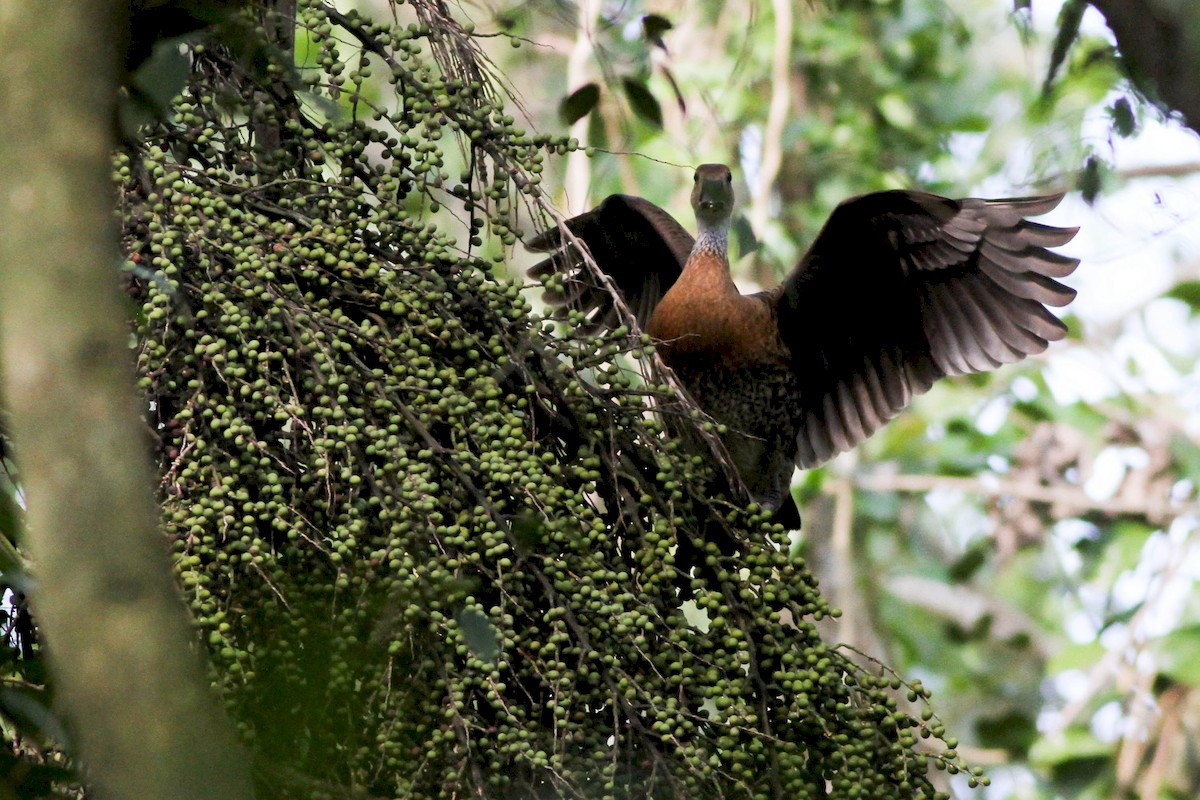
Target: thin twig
x: 1071, y: 498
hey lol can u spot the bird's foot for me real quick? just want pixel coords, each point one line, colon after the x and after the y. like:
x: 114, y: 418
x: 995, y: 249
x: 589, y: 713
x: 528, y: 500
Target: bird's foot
x: 770, y: 502
x: 782, y: 508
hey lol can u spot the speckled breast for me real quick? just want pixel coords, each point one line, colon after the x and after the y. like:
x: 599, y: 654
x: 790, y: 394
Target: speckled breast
x: 759, y: 408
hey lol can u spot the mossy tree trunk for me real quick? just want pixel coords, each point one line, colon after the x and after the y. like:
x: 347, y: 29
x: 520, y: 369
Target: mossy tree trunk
x: 144, y: 722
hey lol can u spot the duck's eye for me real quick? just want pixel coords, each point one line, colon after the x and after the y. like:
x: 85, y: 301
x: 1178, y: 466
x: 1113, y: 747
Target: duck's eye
x: 729, y: 177
x: 696, y: 178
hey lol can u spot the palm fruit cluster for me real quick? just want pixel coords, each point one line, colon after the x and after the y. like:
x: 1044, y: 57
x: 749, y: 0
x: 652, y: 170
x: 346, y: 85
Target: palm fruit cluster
x: 436, y: 546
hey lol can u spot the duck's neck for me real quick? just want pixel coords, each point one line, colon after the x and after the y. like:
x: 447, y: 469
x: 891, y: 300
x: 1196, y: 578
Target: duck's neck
x: 713, y: 240
x: 708, y: 264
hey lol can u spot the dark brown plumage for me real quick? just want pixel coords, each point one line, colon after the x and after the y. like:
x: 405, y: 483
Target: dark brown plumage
x: 899, y: 289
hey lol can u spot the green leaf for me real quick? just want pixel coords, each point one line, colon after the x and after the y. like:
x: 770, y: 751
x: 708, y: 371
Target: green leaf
x: 597, y: 133
x: 1188, y: 292
x: 1074, y: 656
x: 679, y: 101
x: 1072, y: 744
x: 579, y: 103
x: 976, y: 555
x: 1092, y: 178
x: 1074, y: 327
x: 1125, y: 550
x: 29, y: 711
x: 153, y: 86
x: 973, y: 123
x: 1086, y: 776
x: 322, y: 102
x: 10, y: 531
x: 897, y: 111
x: 23, y: 778
x: 527, y: 531
x: 811, y: 485
x: 1186, y: 454
x: 747, y: 242
x: 1117, y: 550
x: 1068, y: 32
x: 164, y: 74
x: 1124, y: 121
x: 642, y: 101
x: 509, y: 19
x: 1014, y: 732
x: 653, y: 27
x: 1179, y: 655
x: 1082, y: 416
x: 1122, y: 616
x: 479, y: 633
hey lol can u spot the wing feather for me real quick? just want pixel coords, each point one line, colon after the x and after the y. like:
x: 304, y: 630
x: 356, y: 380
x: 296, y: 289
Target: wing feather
x: 1018, y: 260
x: 1007, y: 341
x: 849, y: 404
x: 638, y: 245
x: 1030, y: 285
x: 902, y: 288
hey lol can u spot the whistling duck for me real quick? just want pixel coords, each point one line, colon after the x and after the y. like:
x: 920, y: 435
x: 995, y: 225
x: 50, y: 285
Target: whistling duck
x: 900, y: 288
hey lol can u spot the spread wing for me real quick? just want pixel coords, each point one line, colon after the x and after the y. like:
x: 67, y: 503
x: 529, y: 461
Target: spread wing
x: 637, y: 244
x: 902, y: 288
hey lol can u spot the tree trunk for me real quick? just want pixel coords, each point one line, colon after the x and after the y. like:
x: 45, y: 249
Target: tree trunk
x: 1160, y: 39
x: 145, y: 725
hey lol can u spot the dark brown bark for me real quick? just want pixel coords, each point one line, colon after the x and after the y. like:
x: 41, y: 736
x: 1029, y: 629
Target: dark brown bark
x: 145, y: 724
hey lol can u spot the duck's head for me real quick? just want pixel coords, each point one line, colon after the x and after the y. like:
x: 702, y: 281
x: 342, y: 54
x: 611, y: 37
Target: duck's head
x: 712, y: 195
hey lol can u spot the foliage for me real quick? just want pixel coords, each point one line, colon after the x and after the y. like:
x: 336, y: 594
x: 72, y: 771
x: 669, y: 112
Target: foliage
x: 1156, y: 46
x: 435, y: 548
x: 1020, y: 548
x: 35, y: 763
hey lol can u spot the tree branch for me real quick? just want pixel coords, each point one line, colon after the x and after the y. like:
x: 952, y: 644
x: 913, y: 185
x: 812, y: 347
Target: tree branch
x: 1179, y: 170
x: 777, y: 114
x: 1068, y: 499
